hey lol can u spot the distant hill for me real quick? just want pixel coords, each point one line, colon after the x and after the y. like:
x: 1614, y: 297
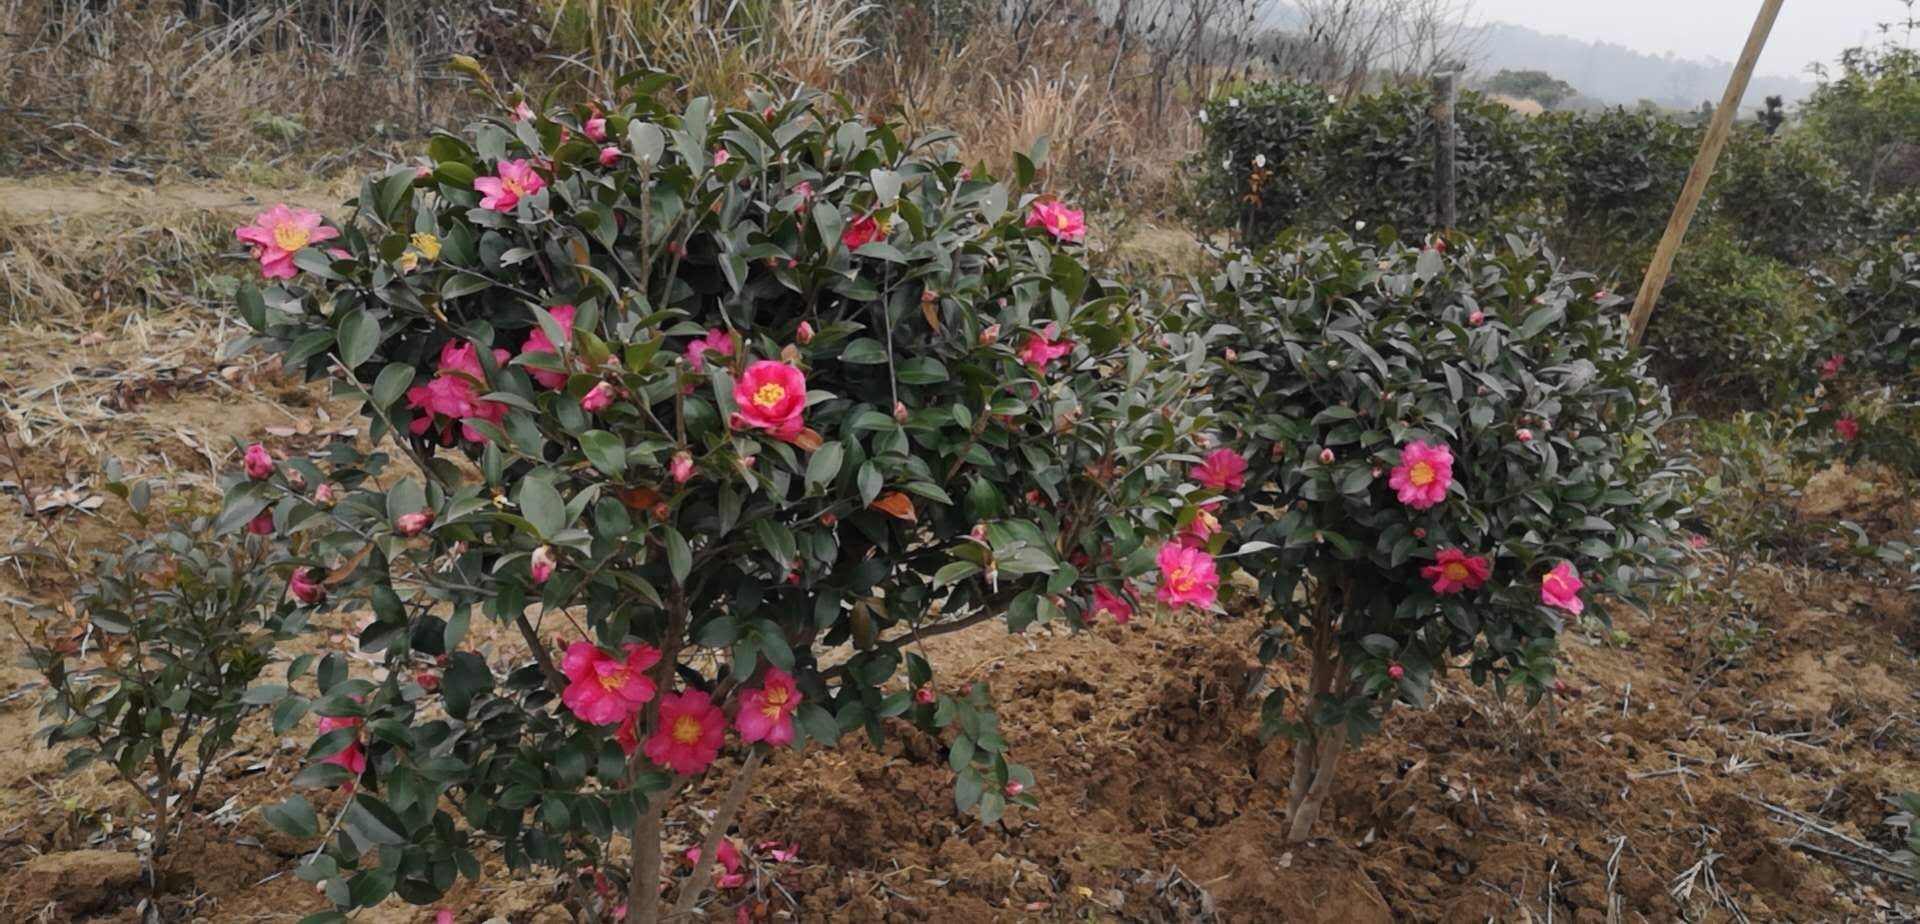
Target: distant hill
x: 1617, y: 74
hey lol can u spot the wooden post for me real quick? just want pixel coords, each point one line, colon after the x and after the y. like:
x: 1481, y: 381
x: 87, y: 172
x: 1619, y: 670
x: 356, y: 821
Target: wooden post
x: 1444, y: 213
x: 1703, y: 162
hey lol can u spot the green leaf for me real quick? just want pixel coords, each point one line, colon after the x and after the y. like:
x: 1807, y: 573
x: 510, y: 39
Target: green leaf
x: 824, y: 465
x: 359, y: 337
x: 864, y: 351
x: 680, y: 555
x: 542, y: 506
x: 605, y: 451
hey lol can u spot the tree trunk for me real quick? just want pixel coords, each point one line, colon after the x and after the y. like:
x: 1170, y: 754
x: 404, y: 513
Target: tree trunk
x: 1331, y: 743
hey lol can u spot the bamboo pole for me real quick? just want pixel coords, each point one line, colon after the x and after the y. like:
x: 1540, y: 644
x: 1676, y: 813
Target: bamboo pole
x: 1703, y: 162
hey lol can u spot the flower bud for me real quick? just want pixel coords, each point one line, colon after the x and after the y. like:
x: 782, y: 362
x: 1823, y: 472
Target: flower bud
x: 542, y: 564
x: 899, y: 412
x: 681, y: 467
x: 924, y: 696
x: 1419, y: 532
x: 1395, y: 671
x: 609, y: 156
x: 1476, y: 318
x: 597, y: 399
x: 1013, y: 788
x: 828, y: 519
x: 661, y: 511
x: 1276, y: 452
x: 989, y: 335
x: 262, y: 523
x: 804, y: 334
x: 295, y: 480
x: 413, y: 524
x: 1326, y: 456
x: 1230, y: 354
x: 428, y: 680
x: 259, y: 462
x: 323, y: 495
x: 1524, y: 435
x: 979, y: 533
x: 305, y: 585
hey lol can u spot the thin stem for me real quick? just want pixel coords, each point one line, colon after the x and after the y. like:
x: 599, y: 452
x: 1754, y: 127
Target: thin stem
x: 556, y: 680
x: 710, y: 845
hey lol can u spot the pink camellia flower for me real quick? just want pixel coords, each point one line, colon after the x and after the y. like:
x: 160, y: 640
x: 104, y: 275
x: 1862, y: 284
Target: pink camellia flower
x: 716, y: 341
x: 413, y: 524
x: 1201, y: 528
x: 1830, y: 369
x: 1222, y: 470
x: 925, y: 696
x: 453, y: 394
x: 258, y: 462
x: 1422, y: 477
x: 1063, y: 223
x: 521, y: 111
x: 691, y: 731
x: 351, y: 757
x: 262, y: 523
x: 1395, y: 671
x: 766, y: 714
x: 609, y: 156
x: 1847, y: 427
x: 1044, y: 347
x: 681, y: 468
x: 1326, y: 456
x: 603, y: 689
x: 860, y: 232
x: 305, y: 585
x: 597, y: 399
x: 595, y: 129
x: 628, y: 734
x: 1186, y: 576
x: 773, y: 397
x: 280, y: 232
x: 513, y: 179
x: 803, y: 335
x: 1106, y: 601
x: 1013, y: 788
x: 1477, y: 318
x: 541, y: 565
x: 721, y: 156
x: 538, y: 342
x: 1561, y: 587
x: 1454, y: 571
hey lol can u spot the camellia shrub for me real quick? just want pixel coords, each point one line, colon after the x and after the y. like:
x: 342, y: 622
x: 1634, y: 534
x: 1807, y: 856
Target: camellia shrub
x: 1429, y: 459
x: 1256, y: 173
x: 1615, y: 175
x: 152, y: 663
x: 722, y: 412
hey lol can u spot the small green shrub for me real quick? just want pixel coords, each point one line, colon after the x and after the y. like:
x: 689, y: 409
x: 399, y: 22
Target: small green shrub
x: 1615, y: 174
x: 1785, y: 198
x: 1424, y: 455
x: 1258, y: 171
x: 151, y: 665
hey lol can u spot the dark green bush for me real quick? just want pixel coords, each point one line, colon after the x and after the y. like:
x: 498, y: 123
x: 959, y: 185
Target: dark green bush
x: 1257, y: 172
x: 1615, y: 174
x: 1734, y: 324
x: 1784, y: 197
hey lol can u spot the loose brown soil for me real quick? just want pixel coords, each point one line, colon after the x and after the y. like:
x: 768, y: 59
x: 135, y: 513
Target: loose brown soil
x: 1656, y: 789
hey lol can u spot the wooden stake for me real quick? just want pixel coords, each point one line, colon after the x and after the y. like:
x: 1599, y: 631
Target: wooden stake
x: 1443, y: 147
x: 1703, y: 163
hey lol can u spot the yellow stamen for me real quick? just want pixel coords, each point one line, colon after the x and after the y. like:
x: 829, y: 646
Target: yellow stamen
x: 427, y: 244
x: 613, y: 682
x: 1421, y: 474
x: 291, y: 237
x: 1455, y: 571
x: 1182, y: 581
x: 686, y: 730
x: 769, y: 395
x: 1061, y: 221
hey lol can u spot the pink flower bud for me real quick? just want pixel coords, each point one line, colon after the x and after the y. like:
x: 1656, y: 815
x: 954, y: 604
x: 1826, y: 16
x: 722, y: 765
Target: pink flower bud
x: 989, y: 335
x: 259, y: 462
x: 979, y: 533
x: 305, y: 585
x: 595, y: 129
x: 681, y: 468
x: 1419, y: 532
x: 661, y: 511
x: 412, y: 524
x: 899, y: 412
x: 924, y: 696
x: 721, y: 156
x: 746, y: 464
x: 262, y: 523
x: 1524, y: 435
x: 1276, y: 452
x: 1230, y: 354
x: 1559, y: 686
x: 1476, y: 318
x: 805, y: 332
x: 323, y: 495
x: 295, y: 480
x: 428, y: 680
x: 609, y: 156
x: 542, y: 564
x: 1326, y: 457
x: 828, y: 519
x: 597, y: 399
x: 1395, y: 671
x: 1013, y: 788
x: 423, y: 171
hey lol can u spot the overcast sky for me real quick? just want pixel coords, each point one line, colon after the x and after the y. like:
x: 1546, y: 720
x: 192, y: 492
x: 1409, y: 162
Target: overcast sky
x: 1807, y: 31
